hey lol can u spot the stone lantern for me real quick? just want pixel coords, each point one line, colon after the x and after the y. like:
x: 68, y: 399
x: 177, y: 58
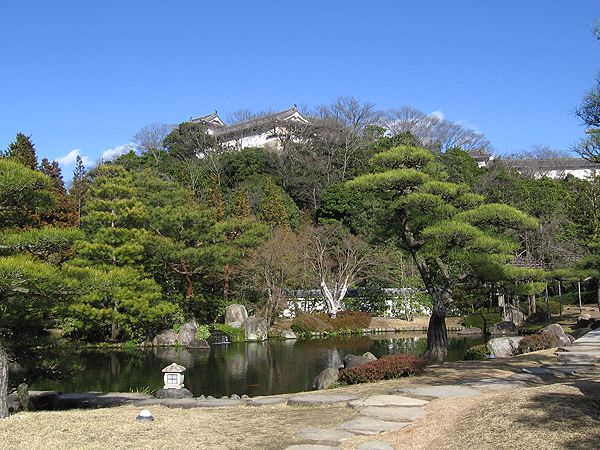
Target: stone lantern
x: 173, y: 376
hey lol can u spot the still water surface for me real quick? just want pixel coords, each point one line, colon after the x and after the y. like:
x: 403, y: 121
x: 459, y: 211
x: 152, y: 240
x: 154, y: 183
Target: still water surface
x: 270, y: 367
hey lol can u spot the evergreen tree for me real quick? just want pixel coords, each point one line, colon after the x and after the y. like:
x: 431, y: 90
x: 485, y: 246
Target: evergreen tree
x: 272, y: 207
x: 22, y: 151
x: 451, y: 235
x: 79, y: 187
x: 63, y: 213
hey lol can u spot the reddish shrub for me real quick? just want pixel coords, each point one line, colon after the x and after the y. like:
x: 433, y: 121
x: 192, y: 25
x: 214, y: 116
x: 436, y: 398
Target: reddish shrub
x: 308, y: 323
x: 385, y: 368
x: 351, y: 320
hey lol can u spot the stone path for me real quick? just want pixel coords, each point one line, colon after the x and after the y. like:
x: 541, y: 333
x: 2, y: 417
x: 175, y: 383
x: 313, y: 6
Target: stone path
x: 394, y: 411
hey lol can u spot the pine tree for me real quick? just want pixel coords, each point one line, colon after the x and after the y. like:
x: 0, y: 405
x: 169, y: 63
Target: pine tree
x: 240, y: 205
x: 272, y: 208
x: 63, y: 213
x: 22, y: 151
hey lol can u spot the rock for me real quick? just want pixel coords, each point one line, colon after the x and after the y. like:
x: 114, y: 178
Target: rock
x: 374, y: 445
x: 571, y: 338
x: 514, y: 315
x: 235, y: 315
x: 324, y: 435
x: 538, y: 317
x: 368, y: 425
x: 288, y: 334
x: 395, y: 414
x: 173, y: 393
x: 370, y: 355
x: 557, y: 331
x: 584, y: 321
x: 504, y: 347
x: 351, y: 361
x: 198, y: 343
x: 165, y: 338
x: 267, y: 401
x: 320, y: 399
x: 505, y: 328
x: 234, y: 397
x: 444, y: 391
x: 39, y: 400
x: 14, y: 405
x: 471, y: 330
x: 256, y: 329
x: 218, y: 403
x: 187, y: 334
x: 326, y: 378
x: 595, y: 324
x: 388, y: 400
x: 577, y: 333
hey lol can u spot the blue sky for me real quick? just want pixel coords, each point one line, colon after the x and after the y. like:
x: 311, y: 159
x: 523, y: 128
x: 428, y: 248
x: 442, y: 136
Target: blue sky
x: 83, y: 77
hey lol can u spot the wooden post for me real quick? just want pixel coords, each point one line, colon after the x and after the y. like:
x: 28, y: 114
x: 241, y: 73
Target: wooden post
x: 560, y: 299
x: 546, y: 294
x: 579, y: 293
x: 3, y: 383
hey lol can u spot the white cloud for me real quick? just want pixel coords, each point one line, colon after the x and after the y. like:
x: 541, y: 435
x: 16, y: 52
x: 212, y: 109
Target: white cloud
x: 70, y: 158
x: 111, y: 153
x: 438, y: 115
x: 465, y: 123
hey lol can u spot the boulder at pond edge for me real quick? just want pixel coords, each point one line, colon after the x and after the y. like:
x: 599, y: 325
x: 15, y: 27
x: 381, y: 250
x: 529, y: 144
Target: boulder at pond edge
x: 504, y: 347
x: 505, y: 328
x: 326, y: 378
x: 256, y: 329
x: 235, y: 315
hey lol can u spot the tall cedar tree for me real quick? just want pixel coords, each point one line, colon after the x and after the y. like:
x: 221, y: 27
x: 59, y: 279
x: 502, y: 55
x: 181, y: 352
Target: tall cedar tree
x: 79, y: 188
x: 63, y: 213
x: 22, y: 151
x: 450, y: 233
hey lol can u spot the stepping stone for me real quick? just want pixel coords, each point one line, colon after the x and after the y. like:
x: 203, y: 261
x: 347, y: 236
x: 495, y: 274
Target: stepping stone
x: 320, y: 399
x: 445, y: 391
x: 495, y: 384
x: 579, y: 349
x: 526, y: 377
x: 267, y: 401
x: 547, y: 371
x: 369, y: 425
x: 330, y: 436
x: 219, y: 403
x: 388, y: 400
x: 311, y: 447
x: 375, y: 445
x: 397, y: 414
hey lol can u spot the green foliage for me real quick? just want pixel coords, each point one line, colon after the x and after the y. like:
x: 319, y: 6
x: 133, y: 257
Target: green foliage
x: 460, y: 166
x: 477, y: 353
x: 233, y: 334
x: 536, y: 342
x: 203, y: 332
x: 482, y: 320
x: 24, y: 194
x: 387, y: 367
x: 22, y: 151
x: 344, y: 322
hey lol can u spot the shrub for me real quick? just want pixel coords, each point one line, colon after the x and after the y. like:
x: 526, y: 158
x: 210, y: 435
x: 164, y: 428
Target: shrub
x: 233, y: 334
x: 535, y: 342
x: 482, y: 320
x: 477, y: 353
x: 351, y: 320
x: 309, y: 323
x: 385, y: 368
x: 202, y: 332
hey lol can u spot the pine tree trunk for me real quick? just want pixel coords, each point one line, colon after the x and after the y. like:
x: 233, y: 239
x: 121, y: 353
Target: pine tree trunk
x: 226, y: 280
x: 437, y: 334
x: 3, y: 383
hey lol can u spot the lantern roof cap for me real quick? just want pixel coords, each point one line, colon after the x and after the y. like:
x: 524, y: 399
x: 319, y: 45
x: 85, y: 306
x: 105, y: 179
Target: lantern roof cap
x: 174, y: 368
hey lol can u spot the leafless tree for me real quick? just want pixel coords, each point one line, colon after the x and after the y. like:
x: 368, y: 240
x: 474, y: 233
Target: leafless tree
x: 538, y: 162
x: 435, y: 133
x: 337, y: 260
x: 150, y: 138
x: 274, y: 268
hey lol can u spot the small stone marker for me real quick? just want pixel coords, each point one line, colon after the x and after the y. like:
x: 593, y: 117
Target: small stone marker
x: 145, y: 416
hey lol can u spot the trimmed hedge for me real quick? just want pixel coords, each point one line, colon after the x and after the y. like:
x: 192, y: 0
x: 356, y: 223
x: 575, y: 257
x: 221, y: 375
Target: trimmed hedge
x: 311, y: 323
x: 535, y: 342
x: 385, y: 368
x: 351, y: 320
x: 477, y: 353
x: 345, y: 321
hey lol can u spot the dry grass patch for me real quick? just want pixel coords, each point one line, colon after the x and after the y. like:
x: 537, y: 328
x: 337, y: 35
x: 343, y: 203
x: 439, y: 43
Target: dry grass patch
x: 560, y: 416
x: 243, y: 427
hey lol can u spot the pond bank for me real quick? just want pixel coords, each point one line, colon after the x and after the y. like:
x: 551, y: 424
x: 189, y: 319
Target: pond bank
x: 281, y: 425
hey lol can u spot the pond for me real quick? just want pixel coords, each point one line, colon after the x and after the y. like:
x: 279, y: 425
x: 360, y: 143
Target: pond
x: 270, y: 367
